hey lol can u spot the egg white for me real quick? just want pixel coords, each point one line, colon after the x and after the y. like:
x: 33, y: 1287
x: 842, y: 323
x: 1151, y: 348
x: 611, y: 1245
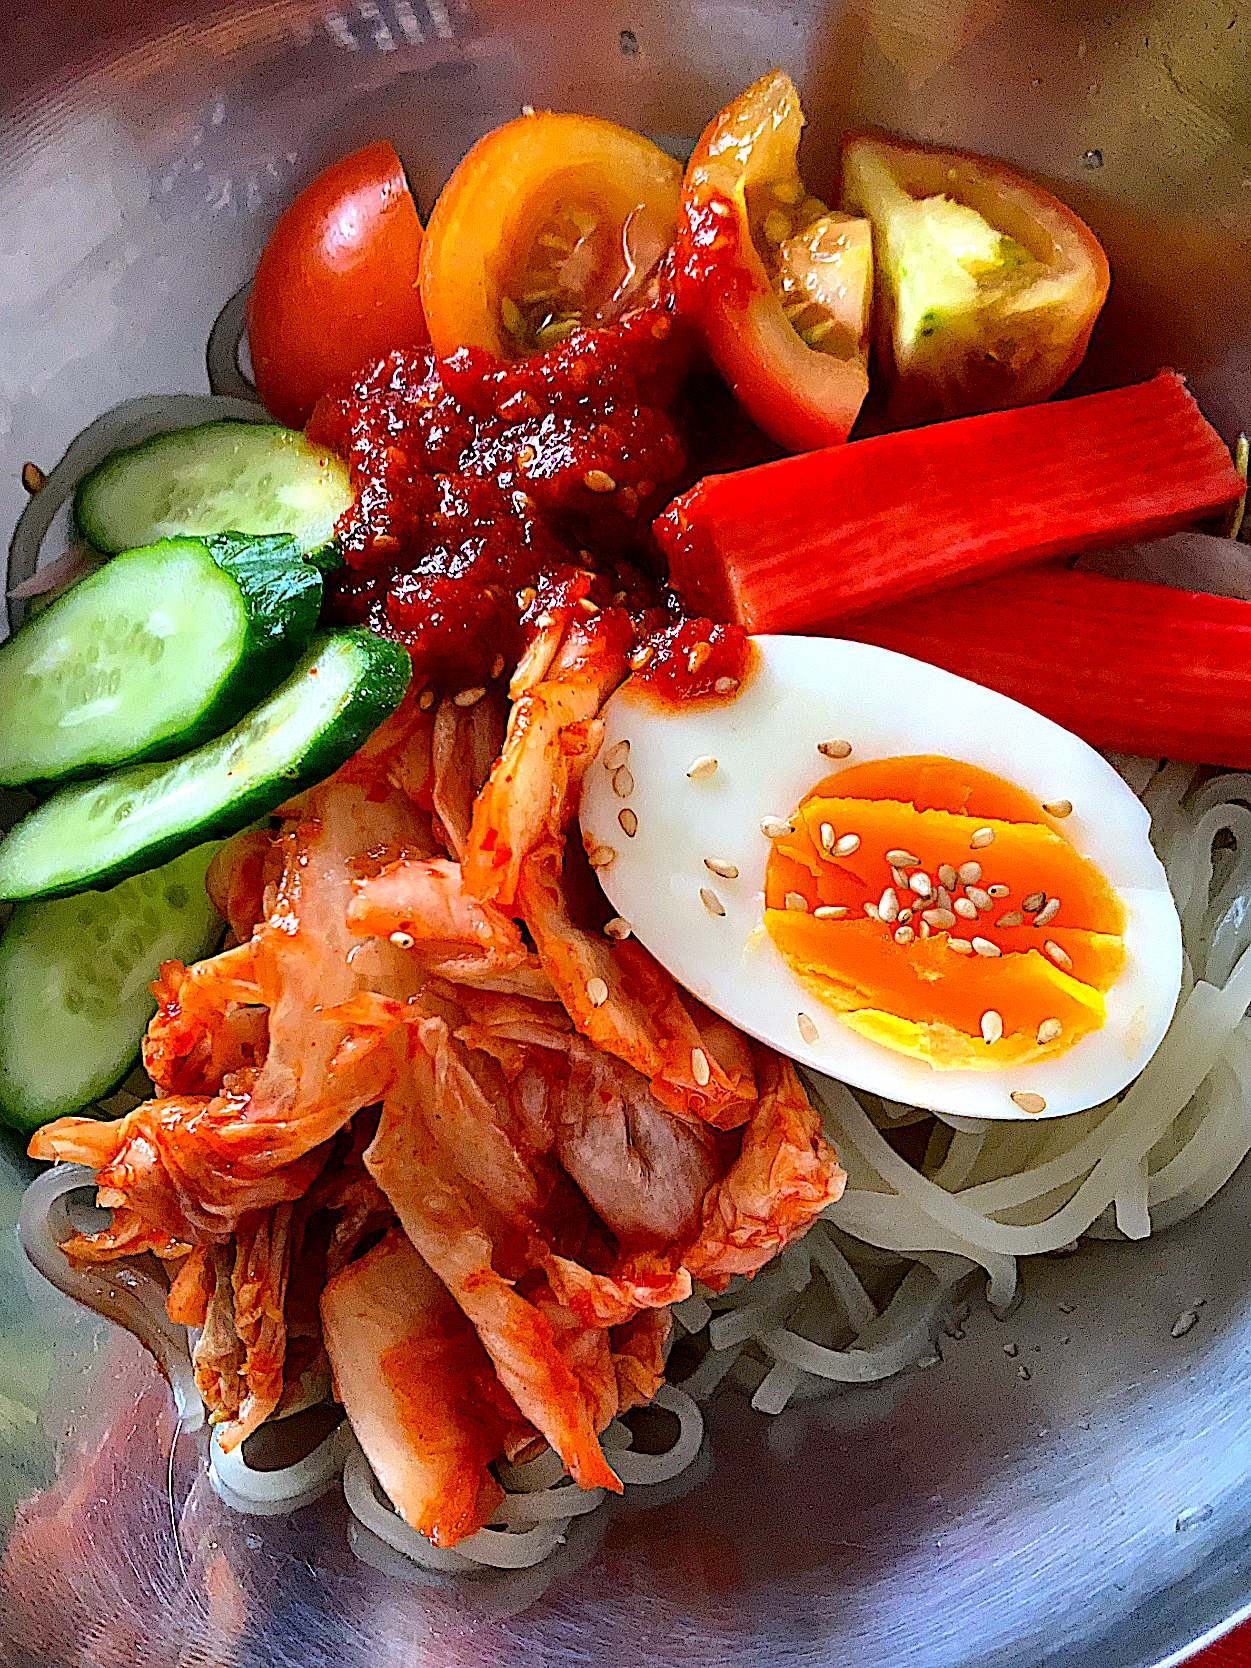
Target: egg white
x: 806, y: 690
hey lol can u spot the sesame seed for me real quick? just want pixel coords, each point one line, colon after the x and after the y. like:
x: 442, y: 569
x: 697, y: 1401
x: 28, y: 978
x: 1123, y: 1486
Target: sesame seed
x: 601, y: 857
x: 629, y: 822
x: 1034, y: 902
x: 807, y: 1029
x: 1029, y: 1102
x: 982, y: 837
x: 899, y: 859
x: 623, y: 782
x: 984, y: 947
x: 469, y: 697
x: 616, y: 755
x: 699, y: 1066
x: 961, y: 946
x: 978, y: 898
x: 900, y: 878
x: 33, y: 478
x: 968, y: 874
x: 701, y: 768
x: 846, y: 845
x: 903, y: 935
x: 871, y: 911
x: 829, y: 912
x: 998, y: 891
x: 587, y: 606
x: 828, y: 836
x: 888, y: 905
x: 719, y: 866
x: 905, y: 915
x: 618, y: 928
x: 938, y: 918
x: 923, y: 931
x: 641, y: 657
x: 402, y: 940
x: 597, y: 992
x: 725, y: 686
x: 1058, y: 807
x: 526, y: 456
x: 1058, y: 955
x: 834, y: 749
x: 426, y: 700
x: 797, y: 902
x: 698, y: 657
x: 598, y: 480
x: 773, y: 828
x: 497, y: 666
x: 1049, y: 1030
x: 944, y: 898
x: 920, y: 884
x: 947, y: 876
x: 543, y: 621
x: 711, y: 902
x: 1047, y: 913
x: 966, y: 908
x: 992, y: 1026
x: 525, y: 597
x: 1010, y: 918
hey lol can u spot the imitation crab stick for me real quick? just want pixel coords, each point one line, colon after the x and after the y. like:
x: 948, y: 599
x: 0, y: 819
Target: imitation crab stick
x: 1135, y: 667
x: 809, y: 540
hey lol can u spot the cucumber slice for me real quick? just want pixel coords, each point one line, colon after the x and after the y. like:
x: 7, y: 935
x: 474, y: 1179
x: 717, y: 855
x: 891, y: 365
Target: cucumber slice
x: 94, y: 833
x: 154, y: 653
x: 215, y: 478
x: 74, y: 976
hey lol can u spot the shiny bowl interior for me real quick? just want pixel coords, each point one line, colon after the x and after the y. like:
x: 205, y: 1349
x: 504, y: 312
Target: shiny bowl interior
x: 1081, y: 1500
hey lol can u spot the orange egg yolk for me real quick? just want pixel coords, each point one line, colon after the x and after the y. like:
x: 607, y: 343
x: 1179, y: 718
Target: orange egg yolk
x: 942, y: 912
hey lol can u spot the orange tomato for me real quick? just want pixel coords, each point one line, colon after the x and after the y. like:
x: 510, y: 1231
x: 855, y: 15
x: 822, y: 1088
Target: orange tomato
x: 336, y: 286
x: 987, y: 286
x: 549, y: 222
x: 779, y: 286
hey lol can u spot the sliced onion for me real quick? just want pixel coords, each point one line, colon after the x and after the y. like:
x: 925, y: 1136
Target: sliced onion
x: 77, y: 563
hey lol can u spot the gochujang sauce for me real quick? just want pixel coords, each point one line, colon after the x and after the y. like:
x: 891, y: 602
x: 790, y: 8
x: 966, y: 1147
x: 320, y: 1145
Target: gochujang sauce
x: 490, y: 495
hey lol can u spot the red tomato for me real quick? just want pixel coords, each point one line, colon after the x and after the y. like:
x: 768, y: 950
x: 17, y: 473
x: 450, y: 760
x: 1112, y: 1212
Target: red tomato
x: 549, y: 222
x: 779, y: 286
x: 987, y: 286
x: 336, y: 286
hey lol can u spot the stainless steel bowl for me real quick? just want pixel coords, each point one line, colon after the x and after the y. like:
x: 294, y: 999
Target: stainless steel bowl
x: 1083, y: 1501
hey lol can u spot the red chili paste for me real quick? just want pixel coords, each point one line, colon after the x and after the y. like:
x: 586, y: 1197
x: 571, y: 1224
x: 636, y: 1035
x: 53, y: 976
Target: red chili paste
x: 489, y: 494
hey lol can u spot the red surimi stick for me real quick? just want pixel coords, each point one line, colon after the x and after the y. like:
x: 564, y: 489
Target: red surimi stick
x: 809, y: 540
x: 1135, y: 667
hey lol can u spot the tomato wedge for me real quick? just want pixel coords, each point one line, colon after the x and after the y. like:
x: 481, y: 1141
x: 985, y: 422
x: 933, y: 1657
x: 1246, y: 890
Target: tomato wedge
x: 336, y: 285
x: 549, y: 222
x: 778, y: 284
x: 987, y: 286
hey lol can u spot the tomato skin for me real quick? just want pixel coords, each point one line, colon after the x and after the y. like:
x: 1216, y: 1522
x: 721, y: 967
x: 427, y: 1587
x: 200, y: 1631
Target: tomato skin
x: 799, y: 396
x: 499, y: 205
x: 336, y: 286
x: 1000, y: 356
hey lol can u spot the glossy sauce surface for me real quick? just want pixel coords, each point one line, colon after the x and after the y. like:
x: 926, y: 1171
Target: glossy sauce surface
x: 492, y: 495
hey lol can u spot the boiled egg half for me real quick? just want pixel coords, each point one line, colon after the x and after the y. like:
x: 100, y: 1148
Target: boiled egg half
x: 894, y: 876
